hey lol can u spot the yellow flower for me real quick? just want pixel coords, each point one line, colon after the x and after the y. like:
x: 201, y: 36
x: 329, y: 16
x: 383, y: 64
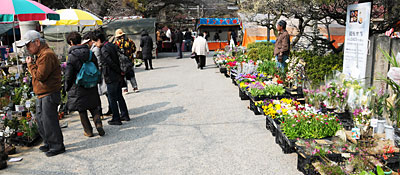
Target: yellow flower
x: 284, y: 111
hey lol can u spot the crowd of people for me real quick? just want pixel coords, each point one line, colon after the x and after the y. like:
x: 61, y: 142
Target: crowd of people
x: 197, y: 45
x: 94, y: 67
x: 108, y: 66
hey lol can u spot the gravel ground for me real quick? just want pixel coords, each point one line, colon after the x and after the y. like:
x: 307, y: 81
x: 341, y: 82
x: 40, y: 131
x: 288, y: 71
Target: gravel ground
x: 184, y: 121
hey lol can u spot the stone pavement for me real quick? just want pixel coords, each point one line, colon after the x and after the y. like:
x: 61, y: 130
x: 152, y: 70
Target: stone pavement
x: 184, y: 121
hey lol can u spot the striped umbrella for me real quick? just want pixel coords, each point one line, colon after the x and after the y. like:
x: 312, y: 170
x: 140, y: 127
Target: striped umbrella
x: 25, y: 10
x: 75, y: 17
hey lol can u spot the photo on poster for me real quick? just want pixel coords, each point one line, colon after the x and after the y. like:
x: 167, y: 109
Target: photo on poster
x: 353, y: 16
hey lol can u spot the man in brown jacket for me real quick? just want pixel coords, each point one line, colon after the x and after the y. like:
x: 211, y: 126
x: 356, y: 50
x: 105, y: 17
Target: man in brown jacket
x: 282, y: 45
x: 46, y: 81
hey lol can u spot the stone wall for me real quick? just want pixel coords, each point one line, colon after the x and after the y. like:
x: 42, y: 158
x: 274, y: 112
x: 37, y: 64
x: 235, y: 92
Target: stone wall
x: 377, y: 66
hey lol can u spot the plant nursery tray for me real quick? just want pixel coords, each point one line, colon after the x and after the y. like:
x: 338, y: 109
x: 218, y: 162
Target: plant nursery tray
x: 270, y: 125
x: 25, y: 142
x: 304, y: 164
x: 223, y: 70
x: 331, y: 157
x: 393, y: 162
x: 343, y: 115
x: 243, y: 95
x: 287, y: 145
x: 254, y: 108
x: 261, y: 98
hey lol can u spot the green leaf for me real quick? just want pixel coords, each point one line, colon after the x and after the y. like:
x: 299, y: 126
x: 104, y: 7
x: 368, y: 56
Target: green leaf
x: 379, y: 170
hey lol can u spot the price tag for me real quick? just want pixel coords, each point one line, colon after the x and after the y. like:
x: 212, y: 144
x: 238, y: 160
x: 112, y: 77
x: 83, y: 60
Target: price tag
x: 374, y: 123
x: 346, y: 155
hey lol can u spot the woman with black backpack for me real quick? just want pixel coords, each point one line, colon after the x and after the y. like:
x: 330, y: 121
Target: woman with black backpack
x: 82, y: 97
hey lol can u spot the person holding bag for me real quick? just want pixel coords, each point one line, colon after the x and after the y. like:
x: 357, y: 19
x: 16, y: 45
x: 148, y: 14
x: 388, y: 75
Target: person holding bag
x: 199, y: 50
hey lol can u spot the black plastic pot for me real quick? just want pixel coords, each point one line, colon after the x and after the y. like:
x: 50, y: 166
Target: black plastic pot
x: 243, y: 95
x: 24, y: 142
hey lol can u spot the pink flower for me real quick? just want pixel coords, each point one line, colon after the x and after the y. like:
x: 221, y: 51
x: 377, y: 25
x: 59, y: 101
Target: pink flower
x: 293, y: 125
x: 344, y: 149
x: 326, y: 123
x: 25, y: 80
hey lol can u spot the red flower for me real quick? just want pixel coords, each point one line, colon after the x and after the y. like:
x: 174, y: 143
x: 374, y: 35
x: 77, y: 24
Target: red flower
x: 20, y: 134
x: 385, y: 157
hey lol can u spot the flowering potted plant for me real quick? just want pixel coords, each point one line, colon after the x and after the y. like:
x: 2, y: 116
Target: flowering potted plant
x: 310, y: 125
x: 341, y: 95
x: 331, y: 94
x: 27, y: 131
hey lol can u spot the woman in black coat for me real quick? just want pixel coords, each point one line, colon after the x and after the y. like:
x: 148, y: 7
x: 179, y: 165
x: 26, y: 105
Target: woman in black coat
x: 147, y: 48
x: 79, y: 98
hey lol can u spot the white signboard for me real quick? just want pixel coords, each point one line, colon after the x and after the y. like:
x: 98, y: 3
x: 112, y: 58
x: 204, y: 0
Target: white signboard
x: 356, y: 41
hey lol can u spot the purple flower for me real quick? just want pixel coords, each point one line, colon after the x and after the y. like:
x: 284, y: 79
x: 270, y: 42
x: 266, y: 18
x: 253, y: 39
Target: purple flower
x: 381, y: 92
x: 25, y: 80
x: 64, y: 65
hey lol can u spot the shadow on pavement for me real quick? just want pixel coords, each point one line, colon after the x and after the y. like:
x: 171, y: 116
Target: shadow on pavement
x: 166, y: 67
x: 132, y: 130
x: 146, y: 108
x: 158, y: 88
x: 156, y: 117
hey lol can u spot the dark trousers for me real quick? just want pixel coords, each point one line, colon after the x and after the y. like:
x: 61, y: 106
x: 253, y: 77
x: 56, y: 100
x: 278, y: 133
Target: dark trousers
x: 147, y: 62
x: 130, y: 76
x: 47, y: 120
x: 179, y: 48
x: 116, y: 100
x: 201, y: 61
x: 188, y: 45
x: 87, y: 127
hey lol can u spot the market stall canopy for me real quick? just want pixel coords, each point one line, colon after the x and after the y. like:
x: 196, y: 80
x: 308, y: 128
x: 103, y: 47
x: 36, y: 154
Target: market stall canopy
x: 57, y: 33
x: 74, y: 17
x: 131, y: 26
x: 5, y: 28
x: 218, y: 22
x: 25, y: 10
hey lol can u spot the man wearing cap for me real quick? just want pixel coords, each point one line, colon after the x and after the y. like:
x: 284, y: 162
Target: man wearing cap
x: 46, y: 81
x: 282, y: 45
x: 129, y: 48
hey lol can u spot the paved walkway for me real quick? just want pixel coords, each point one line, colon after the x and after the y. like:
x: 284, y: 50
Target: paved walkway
x: 184, y: 121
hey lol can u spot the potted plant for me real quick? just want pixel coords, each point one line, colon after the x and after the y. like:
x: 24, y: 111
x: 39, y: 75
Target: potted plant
x: 393, y: 83
x: 17, y: 97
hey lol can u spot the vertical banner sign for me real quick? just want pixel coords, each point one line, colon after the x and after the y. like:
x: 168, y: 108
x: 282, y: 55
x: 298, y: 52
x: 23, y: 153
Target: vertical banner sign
x: 356, y: 41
